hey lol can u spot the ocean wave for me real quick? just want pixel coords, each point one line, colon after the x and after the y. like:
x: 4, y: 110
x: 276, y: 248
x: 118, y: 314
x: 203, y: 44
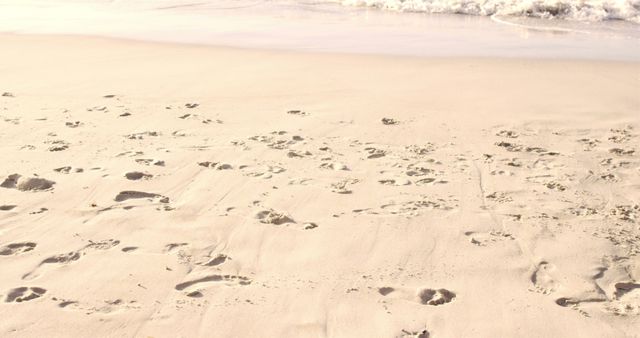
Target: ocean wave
x: 579, y: 10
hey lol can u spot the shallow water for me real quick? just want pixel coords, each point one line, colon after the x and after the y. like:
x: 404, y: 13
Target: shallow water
x: 325, y: 27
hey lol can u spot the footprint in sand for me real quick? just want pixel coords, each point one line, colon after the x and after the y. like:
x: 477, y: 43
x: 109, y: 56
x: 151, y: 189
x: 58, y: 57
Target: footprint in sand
x: 75, y: 124
x: 68, y: 258
x: 137, y: 175
x: 217, y: 260
x: 342, y: 187
x: 486, y: 238
x: 102, y: 245
x: 297, y: 112
x: 130, y: 194
x: 626, y: 299
x: 142, y: 135
x: 389, y: 121
x: 419, y: 169
x: 24, y: 293
x: 59, y: 146
x: 412, y: 208
x: 499, y: 197
x: 500, y: 172
x: 216, y: 165
x: 507, y: 134
x: 334, y: 166
x: 429, y: 181
x: 414, y: 334
x: 103, y: 307
x: 394, y: 182
x: 375, y: 153
x: 172, y: 246
x: 628, y: 213
x: 273, y: 217
x: 148, y: 161
x: 422, y: 150
x: 7, y: 207
x: 542, y: 280
x: 61, y: 259
x: 265, y: 172
x: 16, y: 248
x: 68, y: 169
x: 192, y: 284
x: 424, y: 296
x: 553, y: 185
x: 298, y: 153
x: 17, y: 181
x: 622, y: 152
x: 436, y: 297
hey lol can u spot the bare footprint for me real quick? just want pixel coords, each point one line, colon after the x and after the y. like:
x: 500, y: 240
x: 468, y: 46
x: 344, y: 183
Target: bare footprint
x: 436, y: 297
x: 68, y: 258
x: 16, y: 181
x: 542, y: 280
x: 225, y: 279
x: 137, y: 175
x: 16, y: 248
x: 24, y: 293
x: 171, y: 246
x: 414, y: 334
x: 61, y: 259
x: 486, y: 238
x: 217, y: 260
x: 148, y: 161
x: 425, y: 296
x: 102, y: 245
x: 130, y: 194
x: 273, y: 217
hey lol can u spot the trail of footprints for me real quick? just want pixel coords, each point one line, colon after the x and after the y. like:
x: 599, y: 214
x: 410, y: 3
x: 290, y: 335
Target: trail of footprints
x: 194, y: 284
x: 28, y: 293
x: 618, y: 223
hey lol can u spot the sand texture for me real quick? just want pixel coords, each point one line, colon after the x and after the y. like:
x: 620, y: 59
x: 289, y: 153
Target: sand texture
x: 154, y: 190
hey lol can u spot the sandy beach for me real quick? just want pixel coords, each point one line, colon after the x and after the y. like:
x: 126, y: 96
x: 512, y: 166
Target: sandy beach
x: 165, y: 190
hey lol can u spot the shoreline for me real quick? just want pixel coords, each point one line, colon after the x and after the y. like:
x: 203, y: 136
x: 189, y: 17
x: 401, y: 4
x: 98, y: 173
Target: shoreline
x: 328, y: 54
x: 334, y: 28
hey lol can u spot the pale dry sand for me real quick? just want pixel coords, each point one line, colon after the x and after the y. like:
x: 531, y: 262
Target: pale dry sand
x: 183, y: 191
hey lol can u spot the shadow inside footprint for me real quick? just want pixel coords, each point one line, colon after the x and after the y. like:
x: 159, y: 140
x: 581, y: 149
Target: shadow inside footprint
x: 219, y: 259
x: 137, y: 175
x: 624, y: 287
x: 214, y: 278
x: 130, y: 194
x: 385, y: 290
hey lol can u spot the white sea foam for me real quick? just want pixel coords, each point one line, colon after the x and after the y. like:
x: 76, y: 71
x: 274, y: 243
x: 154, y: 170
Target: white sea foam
x: 328, y: 26
x: 581, y: 10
